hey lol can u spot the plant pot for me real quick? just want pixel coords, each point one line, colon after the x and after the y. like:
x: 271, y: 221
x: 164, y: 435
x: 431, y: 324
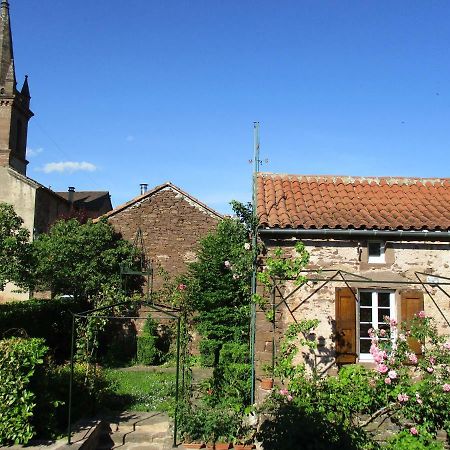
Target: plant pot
x: 222, y: 446
x: 266, y: 384
x: 244, y: 446
x: 193, y: 445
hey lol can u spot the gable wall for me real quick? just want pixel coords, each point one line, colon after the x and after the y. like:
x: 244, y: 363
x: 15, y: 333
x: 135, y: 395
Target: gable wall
x: 404, y: 258
x: 171, y: 226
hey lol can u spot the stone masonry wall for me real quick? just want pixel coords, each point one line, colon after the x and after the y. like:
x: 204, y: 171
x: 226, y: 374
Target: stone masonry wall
x: 172, y: 226
x: 403, y: 260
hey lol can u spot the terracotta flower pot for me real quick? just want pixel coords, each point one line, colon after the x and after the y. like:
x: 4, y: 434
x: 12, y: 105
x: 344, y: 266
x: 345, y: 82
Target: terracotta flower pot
x: 244, y: 446
x: 193, y: 445
x: 222, y: 446
x: 266, y: 384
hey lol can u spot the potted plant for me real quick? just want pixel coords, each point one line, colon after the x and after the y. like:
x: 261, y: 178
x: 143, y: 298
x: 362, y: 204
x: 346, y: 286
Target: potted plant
x: 244, y: 436
x: 191, y: 427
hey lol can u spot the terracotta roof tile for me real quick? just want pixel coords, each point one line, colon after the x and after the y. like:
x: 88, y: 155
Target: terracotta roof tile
x: 390, y: 203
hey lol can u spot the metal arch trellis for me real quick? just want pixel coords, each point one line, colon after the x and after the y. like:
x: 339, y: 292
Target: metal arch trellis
x: 347, y: 278
x: 173, y: 313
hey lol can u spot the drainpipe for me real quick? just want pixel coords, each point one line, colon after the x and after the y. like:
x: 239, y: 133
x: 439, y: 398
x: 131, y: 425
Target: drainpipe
x: 330, y: 233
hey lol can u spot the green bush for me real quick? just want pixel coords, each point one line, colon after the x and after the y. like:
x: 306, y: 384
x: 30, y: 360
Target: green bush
x: 19, y: 359
x: 47, y: 319
x: 234, y: 352
x: 147, y: 351
x: 209, y: 352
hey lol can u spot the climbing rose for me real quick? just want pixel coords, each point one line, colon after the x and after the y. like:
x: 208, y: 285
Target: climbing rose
x: 421, y: 314
x: 446, y: 387
x: 247, y: 246
x: 413, y: 431
x: 382, y: 368
x: 392, y: 374
x: 393, y: 323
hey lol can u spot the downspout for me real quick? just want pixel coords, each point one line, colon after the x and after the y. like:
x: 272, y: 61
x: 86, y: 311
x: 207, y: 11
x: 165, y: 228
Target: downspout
x: 330, y: 233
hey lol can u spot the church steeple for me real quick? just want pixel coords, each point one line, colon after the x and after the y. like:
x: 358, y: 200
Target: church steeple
x: 7, y: 70
x: 14, y: 105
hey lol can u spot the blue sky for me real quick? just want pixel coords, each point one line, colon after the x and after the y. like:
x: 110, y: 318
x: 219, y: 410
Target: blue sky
x: 153, y: 91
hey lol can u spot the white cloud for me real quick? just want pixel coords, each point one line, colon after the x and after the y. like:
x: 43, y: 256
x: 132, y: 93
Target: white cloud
x: 32, y: 152
x: 69, y: 166
x: 129, y: 138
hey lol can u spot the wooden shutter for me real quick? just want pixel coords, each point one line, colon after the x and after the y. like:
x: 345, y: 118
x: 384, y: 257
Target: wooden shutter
x: 411, y: 304
x: 345, y: 337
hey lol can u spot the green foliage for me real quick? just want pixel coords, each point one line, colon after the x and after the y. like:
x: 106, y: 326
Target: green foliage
x: 18, y: 361
x: 209, y: 352
x: 14, y: 248
x: 219, y: 283
x: 47, y: 319
x: 406, y: 441
x: 147, y: 352
x: 80, y: 259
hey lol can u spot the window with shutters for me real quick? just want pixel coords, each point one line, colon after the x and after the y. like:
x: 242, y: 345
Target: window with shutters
x: 374, y: 306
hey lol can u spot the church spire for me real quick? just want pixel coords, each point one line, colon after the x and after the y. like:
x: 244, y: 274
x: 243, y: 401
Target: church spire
x: 7, y: 71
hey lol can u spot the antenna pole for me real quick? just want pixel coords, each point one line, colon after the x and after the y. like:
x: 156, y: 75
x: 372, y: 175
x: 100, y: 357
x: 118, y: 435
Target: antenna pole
x: 256, y: 162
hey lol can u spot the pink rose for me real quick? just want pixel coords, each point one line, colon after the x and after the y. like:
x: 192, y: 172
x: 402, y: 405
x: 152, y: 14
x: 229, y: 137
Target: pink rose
x: 413, y: 431
x: 430, y: 370
x: 447, y: 346
x: 402, y: 398
x: 181, y: 287
x: 387, y: 380
x: 421, y: 314
x: 392, y: 374
x: 412, y: 358
x: 446, y: 387
x: 382, y: 368
x: 432, y: 360
x: 393, y: 323
x: 284, y: 392
x: 289, y: 398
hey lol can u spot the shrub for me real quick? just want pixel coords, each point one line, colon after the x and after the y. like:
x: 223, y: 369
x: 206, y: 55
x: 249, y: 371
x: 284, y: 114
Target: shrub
x: 209, y: 352
x: 47, y: 319
x: 147, y: 351
x: 19, y: 359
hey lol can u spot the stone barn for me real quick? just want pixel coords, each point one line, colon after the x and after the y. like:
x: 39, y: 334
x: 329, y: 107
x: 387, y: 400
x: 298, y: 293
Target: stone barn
x: 171, y: 222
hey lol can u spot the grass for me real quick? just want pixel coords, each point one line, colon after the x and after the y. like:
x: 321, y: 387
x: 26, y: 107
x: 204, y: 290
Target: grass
x: 137, y: 390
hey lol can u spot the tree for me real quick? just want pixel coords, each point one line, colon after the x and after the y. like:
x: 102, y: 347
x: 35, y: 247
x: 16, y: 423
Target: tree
x: 80, y: 259
x: 219, y: 282
x: 14, y: 248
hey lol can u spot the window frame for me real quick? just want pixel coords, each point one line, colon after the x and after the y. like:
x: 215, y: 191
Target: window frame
x: 376, y: 259
x: 367, y: 357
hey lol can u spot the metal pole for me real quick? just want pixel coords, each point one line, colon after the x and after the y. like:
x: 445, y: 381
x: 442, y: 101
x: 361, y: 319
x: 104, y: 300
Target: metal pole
x: 175, y: 421
x: 69, y: 426
x: 255, y: 256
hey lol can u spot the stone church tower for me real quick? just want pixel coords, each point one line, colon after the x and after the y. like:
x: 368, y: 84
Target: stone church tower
x: 14, y: 105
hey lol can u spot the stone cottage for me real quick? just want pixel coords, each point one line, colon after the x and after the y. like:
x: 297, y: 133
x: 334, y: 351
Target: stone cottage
x: 171, y: 223
x: 378, y: 247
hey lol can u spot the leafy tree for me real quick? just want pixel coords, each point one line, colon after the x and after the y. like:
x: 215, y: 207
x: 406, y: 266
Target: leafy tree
x: 80, y: 259
x: 14, y: 248
x: 219, y: 282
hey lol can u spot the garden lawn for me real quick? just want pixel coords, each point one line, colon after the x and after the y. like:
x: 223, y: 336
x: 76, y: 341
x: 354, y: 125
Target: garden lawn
x: 140, y: 390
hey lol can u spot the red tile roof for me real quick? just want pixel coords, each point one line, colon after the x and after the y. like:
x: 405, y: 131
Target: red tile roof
x: 381, y: 203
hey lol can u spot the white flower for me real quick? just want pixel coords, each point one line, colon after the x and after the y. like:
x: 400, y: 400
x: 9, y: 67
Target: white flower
x: 247, y: 246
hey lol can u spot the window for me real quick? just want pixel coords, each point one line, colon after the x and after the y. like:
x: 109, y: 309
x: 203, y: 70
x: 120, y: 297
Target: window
x: 373, y: 307
x: 375, y: 250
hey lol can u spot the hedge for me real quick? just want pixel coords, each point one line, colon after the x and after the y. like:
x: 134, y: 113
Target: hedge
x: 19, y: 359
x: 47, y: 319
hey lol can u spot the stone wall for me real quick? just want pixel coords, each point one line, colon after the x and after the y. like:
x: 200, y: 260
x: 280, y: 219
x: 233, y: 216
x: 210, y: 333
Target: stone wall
x: 403, y: 259
x: 172, y: 226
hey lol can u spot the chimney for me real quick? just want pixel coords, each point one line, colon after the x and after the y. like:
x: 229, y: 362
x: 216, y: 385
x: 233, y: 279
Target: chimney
x: 70, y: 196
x: 144, y: 187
